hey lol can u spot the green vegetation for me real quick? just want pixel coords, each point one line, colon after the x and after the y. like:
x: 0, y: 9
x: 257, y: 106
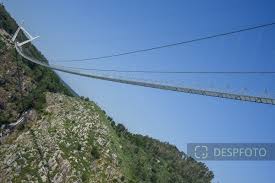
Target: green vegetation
x: 149, y: 160
x: 6, y: 22
x: 4, y: 118
x: 43, y: 79
x: 153, y: 161
x: 46, y: 80
x: 144, y: 159
x: 95, y: 152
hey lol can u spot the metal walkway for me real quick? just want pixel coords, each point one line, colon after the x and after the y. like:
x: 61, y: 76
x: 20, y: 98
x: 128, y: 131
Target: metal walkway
x: 232, y: 96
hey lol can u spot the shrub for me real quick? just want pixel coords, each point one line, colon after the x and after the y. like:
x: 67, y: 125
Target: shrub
x: 109, y: 118
x: 121, y: 128
x: 78, y: 147
x: 95, y: 152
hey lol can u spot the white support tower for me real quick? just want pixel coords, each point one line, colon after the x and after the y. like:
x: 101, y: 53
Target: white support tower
x: 30, y: 38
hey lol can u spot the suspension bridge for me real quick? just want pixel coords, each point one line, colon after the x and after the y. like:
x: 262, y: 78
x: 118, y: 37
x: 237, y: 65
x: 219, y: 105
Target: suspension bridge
x: 183, y: 89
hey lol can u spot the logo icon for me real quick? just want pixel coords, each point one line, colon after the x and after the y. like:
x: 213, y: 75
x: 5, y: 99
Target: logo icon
x: 201, y: 152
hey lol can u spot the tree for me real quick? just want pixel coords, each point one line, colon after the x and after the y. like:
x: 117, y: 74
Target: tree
x: 95, y: 152
x: 121, y: 128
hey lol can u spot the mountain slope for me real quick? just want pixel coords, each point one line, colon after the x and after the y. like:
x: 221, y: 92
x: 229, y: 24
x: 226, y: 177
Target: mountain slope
x: 61, y: 145
x: 51, y: 135
x: 22, y: 84
x: 75, y: 141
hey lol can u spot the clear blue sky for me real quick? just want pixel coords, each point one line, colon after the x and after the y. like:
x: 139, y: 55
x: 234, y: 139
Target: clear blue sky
x: 79, y: 29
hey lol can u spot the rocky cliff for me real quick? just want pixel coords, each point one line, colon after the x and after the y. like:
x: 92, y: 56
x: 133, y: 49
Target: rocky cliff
x: 73, y: 140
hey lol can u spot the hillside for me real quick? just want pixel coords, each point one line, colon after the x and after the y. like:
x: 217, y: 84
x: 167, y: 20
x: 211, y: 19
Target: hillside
x: 22, y: 84
x: 50, y: 135
x: 73, y: 140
